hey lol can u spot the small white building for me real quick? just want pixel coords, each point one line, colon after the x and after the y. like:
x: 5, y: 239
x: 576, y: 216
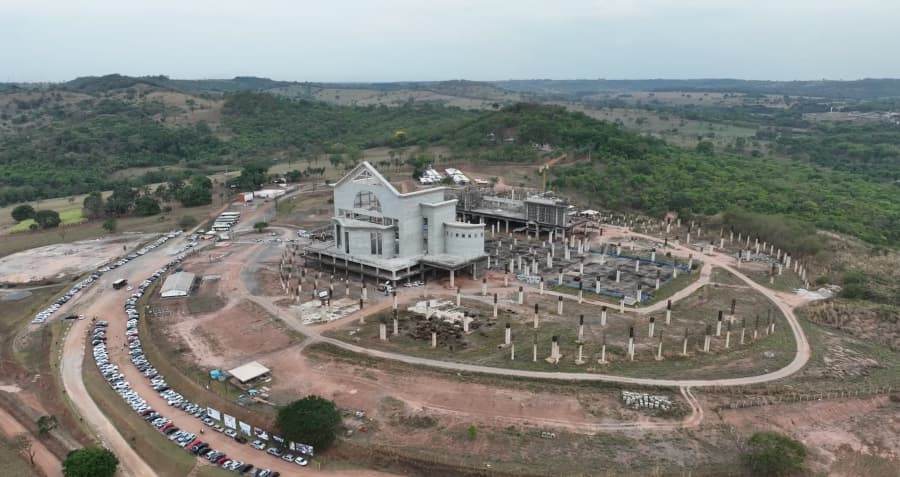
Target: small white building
x: 177, y: 285
x: 248, y: 372
x: 268, y: 193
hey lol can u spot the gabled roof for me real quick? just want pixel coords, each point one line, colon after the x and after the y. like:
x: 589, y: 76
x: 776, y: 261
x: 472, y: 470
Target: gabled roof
x: 366, y: 173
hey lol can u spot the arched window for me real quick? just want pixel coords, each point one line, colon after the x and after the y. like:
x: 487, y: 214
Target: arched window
x: 367, y: 201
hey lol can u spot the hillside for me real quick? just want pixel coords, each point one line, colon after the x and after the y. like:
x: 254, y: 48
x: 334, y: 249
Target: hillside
x: 569, y: 89
x: 63, y: 142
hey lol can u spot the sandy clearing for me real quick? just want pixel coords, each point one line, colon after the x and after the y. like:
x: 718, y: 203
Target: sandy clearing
x: 65, y: 259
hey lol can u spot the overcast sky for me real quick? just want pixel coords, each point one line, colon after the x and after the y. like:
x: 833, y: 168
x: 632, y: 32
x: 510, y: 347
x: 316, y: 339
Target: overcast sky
x: 394, y: 40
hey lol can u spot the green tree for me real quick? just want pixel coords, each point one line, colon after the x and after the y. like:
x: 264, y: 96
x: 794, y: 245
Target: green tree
x: 90, y: 462
x: 146, y: 205
x: 110, y: 224
x: 47, y: 218
x: 121, y: 201
x: 472, y: 432
x: 197, y: 192
x: 260, y: 226
x: 705, y: 147
x: 46, y: 424
x: 312, y: 420
x: 23, y: 212
x: 770, y: 453
x: 93, y: 205
x: 252, y: 176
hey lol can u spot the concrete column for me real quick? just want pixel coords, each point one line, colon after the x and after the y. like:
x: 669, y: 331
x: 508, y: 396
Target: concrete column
x: 549, y: 260
x: 554, y: 349
x: 631, y: 343
x: 512, y: 352
x: 542, y: 286
x: 603, y: 352
x: 637, y: 265
x: 597, y: 286
x: 684, y: 343
x: 365, y: 293
x: 581, y: 328
x: 653, y: 255
x: 719, y: 325
x: 622, y: 306
x: 434, y: 339
x: 706, y: 339
x: 484, y: 286
x: 668, y: 312
x: 396, y: 324
x: 489, y: 262
x: 466, y: 323
x: 639, y: 295
x: 534, y: 350
x: 687, y: 240
x: 690, y: 262
x: 728, y: 335
x: 652, y: 327
x: 580, y: 359
x: 566, y: 253
x: 675, y: 271
x: 581, y: 268
x: 535, y: 316
x: 506, y: 278
x: 507, y: 335
x: 618, y: 275
x: 743, y: 329
x: 756, y: 329
x: 521, y: 298
x: 721, y: 242
x: 603, y: 316
x: 382, y: 332
x: 559, y: 305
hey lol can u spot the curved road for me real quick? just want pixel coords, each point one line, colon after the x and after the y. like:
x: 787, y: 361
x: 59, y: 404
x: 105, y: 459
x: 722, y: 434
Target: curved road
x: 801, y: 356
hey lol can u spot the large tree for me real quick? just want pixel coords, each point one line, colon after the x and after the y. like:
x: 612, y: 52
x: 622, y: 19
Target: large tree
x: 770, y: 453
x: 197, y: 192
x: 90, y: 462
x: 312, y: 420
x: 252, y: 177
x: 47, y: 218
x: 23, y: 212
x: 93, y: 205
x: 146, y: 205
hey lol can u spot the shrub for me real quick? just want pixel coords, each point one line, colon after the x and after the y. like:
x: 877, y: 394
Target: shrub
x: 312, y: 420
x: 770, y: 453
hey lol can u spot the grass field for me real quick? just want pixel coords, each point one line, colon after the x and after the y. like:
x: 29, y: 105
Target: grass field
x: 12, y: 462
x: 68, y: 217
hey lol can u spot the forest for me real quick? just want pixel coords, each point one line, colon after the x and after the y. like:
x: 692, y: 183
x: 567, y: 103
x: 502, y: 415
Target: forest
x: 831, y: 185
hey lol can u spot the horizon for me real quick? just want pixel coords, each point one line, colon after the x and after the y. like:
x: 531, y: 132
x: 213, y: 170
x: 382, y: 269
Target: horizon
x: 488, y: 81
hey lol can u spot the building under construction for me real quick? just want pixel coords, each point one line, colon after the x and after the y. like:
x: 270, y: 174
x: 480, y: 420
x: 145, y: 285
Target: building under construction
x: 516, y: 209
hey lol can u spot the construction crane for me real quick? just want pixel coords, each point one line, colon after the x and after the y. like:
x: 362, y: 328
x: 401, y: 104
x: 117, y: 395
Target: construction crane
x: 546, y: 167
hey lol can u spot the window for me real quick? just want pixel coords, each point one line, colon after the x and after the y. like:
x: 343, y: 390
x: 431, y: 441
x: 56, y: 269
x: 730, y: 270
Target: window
x: 346, y: 242
x: 366, y: 201
x: 337, y: 234
x: 375, y: 243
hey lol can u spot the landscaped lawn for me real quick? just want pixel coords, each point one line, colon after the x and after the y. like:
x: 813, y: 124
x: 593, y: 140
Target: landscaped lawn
x: 68, y: 217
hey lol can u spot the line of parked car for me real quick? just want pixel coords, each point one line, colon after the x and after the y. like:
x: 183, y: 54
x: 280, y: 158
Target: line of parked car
x: 184, y: 439
x: 46, y: 313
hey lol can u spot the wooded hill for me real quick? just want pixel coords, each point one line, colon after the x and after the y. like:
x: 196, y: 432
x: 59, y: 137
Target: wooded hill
x: 57, y: 142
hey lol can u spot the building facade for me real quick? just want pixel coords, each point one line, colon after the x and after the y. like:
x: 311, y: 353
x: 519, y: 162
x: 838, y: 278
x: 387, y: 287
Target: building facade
x: 396, y: 233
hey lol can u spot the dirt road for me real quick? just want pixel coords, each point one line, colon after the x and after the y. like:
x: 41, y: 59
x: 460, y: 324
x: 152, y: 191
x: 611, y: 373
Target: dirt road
x: 45, y: 461
x: 801, y: 356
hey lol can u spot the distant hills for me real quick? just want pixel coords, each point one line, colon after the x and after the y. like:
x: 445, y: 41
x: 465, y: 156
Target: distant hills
x: 491, y: 90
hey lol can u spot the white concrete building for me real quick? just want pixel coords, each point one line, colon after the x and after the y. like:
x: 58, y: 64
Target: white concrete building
x: 381, y: 232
